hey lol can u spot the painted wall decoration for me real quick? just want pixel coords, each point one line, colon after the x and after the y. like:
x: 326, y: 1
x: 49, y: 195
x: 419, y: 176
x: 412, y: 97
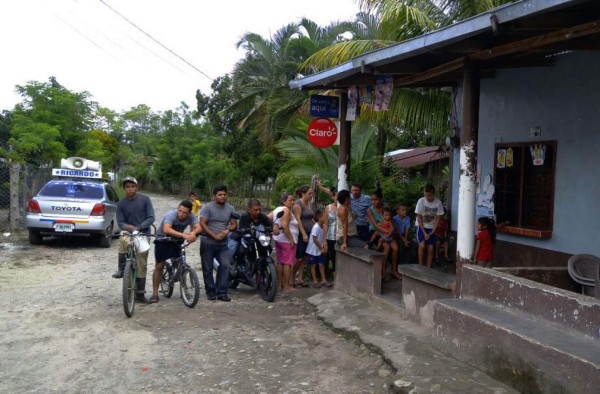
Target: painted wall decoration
x: 538, y: 154
x: 485, y: 197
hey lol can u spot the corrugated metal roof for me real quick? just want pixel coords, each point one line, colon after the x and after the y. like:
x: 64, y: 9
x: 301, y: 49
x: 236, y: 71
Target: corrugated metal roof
x: 406, y: 158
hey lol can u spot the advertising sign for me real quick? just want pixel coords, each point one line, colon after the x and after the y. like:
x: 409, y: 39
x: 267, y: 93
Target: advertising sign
x: 324, y: 106
x: 322, y: 133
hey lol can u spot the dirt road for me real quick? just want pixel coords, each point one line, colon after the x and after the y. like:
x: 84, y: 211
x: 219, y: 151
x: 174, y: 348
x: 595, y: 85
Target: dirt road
x: 64, y: 330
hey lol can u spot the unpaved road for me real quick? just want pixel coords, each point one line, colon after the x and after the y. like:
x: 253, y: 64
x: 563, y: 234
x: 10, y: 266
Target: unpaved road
x: 63, y: 330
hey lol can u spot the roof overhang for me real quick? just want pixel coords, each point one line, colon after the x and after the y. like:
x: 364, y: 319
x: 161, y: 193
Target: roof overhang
x: 523, y: 34
x: 407, y: 158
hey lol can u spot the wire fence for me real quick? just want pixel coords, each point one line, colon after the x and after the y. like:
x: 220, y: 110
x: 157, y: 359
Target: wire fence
x: 18, y: 182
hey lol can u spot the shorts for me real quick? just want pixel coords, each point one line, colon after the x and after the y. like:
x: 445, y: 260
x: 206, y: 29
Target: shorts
x: 164, y: 250
x: 314, y: 260
x: 285, y: 253
x: 301, y: 247
x: 421, y: 236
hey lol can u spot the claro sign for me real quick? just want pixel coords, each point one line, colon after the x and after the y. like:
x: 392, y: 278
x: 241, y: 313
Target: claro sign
x: 322, y: 132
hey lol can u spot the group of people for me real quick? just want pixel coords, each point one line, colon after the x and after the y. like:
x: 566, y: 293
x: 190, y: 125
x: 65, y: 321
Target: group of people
x: 303, y: 235
x: 366, y: 221
x: 214, y: 223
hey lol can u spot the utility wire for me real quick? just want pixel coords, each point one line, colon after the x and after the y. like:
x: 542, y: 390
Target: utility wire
x: 154, y: 39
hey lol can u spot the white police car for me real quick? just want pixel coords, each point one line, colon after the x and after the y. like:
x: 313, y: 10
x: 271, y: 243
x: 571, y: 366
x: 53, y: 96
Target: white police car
x: 77, y: 201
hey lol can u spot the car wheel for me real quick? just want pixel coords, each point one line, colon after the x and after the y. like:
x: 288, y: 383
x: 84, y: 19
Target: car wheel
x: 35, y: 238
x: 106, y: 240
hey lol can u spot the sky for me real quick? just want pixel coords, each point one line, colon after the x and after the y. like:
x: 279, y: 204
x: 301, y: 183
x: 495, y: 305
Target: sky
x: 87, y: 46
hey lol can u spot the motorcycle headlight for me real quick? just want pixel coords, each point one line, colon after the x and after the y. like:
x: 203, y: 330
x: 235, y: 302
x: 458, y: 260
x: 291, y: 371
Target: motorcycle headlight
x: 264, y: 240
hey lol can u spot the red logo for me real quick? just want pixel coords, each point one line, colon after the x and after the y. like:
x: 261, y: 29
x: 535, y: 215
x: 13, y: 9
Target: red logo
x: 322, y: 132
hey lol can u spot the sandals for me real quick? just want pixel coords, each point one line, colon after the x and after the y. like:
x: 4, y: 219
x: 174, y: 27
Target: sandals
x: 153, y: 299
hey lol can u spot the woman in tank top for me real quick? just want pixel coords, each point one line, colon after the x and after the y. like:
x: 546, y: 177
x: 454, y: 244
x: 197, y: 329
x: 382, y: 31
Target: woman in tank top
x: 304, y: 215
x: 285, y: 241
x: 329, y: 228
x: 346, y: 234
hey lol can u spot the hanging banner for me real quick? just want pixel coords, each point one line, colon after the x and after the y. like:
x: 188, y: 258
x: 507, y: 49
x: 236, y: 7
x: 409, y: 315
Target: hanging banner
x: 324, y: 106
x: 352, y: 103
x: 384, y: 86
x: 538, y: 154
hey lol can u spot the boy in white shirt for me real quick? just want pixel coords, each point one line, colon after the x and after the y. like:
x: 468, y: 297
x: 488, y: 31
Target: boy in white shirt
x: 429, y: 209
x: 315, y: 250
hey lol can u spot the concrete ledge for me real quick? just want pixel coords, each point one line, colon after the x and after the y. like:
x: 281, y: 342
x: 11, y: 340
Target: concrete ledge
x: 358, y: 272
x: 427, y: 275
x: 421, y: 286
x: 556, y: 305
x: 528, y: 353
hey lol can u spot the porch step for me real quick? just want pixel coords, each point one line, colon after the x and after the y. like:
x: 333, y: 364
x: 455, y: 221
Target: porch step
x: 556, y: 305
x: 531, y: 354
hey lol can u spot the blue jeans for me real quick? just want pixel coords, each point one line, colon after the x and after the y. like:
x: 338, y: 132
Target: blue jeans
x: 208, y: 252
x: 363, y: 232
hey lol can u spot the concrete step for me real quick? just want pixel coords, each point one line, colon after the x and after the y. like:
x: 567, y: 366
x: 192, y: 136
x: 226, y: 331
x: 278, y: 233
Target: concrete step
x: 528, y: 353
x: 559, y: 306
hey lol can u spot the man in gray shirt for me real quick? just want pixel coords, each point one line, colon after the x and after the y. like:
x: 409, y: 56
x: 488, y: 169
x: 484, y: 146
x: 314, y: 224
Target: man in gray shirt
x: 217, y: 222
x: 134, y: 213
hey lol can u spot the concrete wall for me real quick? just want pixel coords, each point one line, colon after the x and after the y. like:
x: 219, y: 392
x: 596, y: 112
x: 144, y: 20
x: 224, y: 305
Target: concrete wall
x: 564, y: 101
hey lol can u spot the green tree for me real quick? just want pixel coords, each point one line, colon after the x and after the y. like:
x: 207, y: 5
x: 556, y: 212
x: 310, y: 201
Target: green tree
x: 5, y: 126
x: 50, y: 105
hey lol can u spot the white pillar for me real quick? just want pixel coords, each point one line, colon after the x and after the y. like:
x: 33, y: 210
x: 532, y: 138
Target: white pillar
x: 467, y: 184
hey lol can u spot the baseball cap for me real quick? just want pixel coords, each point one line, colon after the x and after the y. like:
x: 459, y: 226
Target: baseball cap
x: 130, y: 179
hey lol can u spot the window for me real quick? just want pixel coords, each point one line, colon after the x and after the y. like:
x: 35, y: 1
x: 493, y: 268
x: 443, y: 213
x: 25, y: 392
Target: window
x: 73, y: 190
x: 524, y: 180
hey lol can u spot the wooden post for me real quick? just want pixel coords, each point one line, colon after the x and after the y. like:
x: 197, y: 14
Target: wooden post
x: 345, y: 144
x: 14, y: 197
x: 467, y: 183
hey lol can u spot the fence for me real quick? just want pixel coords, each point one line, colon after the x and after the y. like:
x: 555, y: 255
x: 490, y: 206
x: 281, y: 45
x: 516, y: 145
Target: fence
x: 18, y: 183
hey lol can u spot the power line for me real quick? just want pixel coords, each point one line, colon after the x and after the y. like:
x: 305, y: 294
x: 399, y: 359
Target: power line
x: 154, y: 39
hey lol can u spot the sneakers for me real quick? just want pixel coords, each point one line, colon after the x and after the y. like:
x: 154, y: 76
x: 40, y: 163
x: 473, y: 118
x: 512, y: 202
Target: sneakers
x: 224, y: 298
x: 118, y: 275
x: 211, y: 298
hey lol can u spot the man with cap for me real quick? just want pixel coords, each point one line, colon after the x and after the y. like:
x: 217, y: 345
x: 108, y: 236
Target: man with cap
x: 134, y: 212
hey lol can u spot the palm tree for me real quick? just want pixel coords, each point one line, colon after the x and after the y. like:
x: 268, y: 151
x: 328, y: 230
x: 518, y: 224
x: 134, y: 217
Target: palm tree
x: 415, y: 116
x: 262, y: 77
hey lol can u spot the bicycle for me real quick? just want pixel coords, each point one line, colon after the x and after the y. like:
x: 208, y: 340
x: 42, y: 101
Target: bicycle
x: 178, y: 270
x: 130, y: 271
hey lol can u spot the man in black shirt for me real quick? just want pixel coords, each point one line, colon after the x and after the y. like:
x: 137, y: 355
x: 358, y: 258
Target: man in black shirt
x: 253, y: 217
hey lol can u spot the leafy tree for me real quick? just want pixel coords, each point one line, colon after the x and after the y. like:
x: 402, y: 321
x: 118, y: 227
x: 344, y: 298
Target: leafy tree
x: 51, y: 105
x: 5, y: 126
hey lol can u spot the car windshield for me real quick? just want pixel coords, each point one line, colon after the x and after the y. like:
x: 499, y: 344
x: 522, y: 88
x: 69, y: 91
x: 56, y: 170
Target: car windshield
x: 91, y: 191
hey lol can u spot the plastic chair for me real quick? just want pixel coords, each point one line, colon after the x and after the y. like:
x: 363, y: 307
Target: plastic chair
x: 585, y: 270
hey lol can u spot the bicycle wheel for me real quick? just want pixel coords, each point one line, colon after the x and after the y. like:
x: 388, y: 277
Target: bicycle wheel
x: 167, y: 282
x: 189, y: 287
x: 129, y: 289
x: 266, y: 281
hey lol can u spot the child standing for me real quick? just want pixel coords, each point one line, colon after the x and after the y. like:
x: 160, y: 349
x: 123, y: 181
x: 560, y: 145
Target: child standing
x: 402, y: 225
x: 442, y: 242
x: 486, y: 238
x: 196, y: 204
x: 315, y: 250
x: 428, y: 210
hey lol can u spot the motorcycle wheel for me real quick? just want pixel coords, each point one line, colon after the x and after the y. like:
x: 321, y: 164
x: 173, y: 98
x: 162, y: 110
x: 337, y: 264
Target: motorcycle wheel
x: 233, y: 282
x: 266, y: 280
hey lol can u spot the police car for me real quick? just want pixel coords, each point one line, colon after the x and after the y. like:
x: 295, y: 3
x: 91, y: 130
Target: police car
x: 78, y: 201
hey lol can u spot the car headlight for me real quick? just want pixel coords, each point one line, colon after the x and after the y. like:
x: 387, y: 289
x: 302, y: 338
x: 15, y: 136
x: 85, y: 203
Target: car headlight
x: 264, y: 240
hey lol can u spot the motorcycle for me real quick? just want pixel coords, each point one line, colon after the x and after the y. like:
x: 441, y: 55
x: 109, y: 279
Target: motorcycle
x: 252, y: 263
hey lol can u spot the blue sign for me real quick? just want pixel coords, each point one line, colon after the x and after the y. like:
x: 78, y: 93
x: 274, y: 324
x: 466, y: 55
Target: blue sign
x: 324, y: 106
x: 76, y: 173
